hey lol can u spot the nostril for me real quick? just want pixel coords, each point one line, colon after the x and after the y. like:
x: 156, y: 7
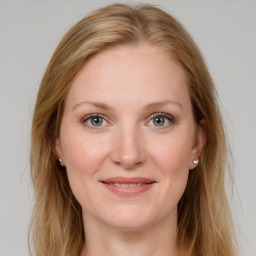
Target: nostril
x: 128, y: 152
x: 131, y: 165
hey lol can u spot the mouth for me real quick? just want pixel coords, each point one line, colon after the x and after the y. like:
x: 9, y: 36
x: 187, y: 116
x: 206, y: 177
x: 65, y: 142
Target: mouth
x: 128, y: 186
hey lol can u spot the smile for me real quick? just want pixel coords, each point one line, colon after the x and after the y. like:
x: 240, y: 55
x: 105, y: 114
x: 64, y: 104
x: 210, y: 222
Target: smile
x: 128, y: 187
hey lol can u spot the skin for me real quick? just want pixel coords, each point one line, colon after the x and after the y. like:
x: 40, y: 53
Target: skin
x: 133, y: 83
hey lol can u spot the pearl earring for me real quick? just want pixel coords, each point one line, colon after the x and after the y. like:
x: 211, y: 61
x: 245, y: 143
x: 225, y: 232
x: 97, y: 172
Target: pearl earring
x: 196, y: 160
x: 60, y: 162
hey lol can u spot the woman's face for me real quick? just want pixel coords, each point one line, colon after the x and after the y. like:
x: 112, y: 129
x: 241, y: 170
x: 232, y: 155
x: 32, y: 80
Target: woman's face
x: 128, y: 137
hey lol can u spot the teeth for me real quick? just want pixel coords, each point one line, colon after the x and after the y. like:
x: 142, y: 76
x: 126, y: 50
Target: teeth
x: 126, y: 185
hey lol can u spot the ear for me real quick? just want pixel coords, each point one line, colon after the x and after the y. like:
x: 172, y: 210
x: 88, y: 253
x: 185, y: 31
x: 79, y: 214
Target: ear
x: 199, y: 142
x: 57, y: 150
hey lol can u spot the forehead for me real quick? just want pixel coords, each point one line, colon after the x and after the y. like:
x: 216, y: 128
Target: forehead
x: 128, y: 74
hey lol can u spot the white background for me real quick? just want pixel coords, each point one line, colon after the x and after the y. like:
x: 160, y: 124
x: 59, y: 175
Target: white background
x: 29, y: 32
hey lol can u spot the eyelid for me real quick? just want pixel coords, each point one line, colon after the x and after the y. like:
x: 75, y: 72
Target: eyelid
x: 162, y: 114
x: 92, y: 115
x: 85, y: 118
x: 169, y: 117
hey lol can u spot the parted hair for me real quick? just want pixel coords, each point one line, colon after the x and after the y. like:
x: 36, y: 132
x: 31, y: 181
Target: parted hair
x: 205, y: 224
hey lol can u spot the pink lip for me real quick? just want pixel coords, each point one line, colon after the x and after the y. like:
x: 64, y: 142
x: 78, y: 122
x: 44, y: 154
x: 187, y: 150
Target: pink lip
x: 142, y: 185
x: 125, y: 180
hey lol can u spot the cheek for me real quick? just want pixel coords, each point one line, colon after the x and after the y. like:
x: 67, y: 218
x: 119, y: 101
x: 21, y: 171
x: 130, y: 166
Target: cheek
x: 173, y: 154
x: 175, y: 168
x: 172, y: 158
x: 83, y: 158
x: 82, y: 154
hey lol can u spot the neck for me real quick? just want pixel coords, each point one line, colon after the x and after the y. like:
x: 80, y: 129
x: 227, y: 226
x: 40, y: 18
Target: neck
x: 158, y: 239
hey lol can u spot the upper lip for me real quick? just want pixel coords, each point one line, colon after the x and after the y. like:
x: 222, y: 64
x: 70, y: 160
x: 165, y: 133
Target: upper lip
x: 125, y: 180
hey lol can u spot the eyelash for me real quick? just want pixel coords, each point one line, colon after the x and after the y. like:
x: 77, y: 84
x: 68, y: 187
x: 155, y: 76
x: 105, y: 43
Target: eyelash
x: 170, y: 119
x: 90, y: 116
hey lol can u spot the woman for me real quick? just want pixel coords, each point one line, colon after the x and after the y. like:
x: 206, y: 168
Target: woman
x: 128, y: 150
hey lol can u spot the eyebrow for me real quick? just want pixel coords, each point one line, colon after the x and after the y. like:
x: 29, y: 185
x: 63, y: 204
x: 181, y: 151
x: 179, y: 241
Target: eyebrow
x: 162, y: 104
x: 147, y: 107
x: 95, y: 104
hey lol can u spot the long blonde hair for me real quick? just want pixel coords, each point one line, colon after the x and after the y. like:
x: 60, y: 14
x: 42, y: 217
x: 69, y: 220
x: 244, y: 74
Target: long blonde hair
x: 204, y: 219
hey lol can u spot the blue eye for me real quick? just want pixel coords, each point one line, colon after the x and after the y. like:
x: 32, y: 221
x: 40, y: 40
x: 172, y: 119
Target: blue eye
x: 95, y: 121
x: 161, y: 120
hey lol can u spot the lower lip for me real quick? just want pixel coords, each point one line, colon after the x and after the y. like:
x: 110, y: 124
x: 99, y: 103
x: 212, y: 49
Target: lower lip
x: 128, y: 191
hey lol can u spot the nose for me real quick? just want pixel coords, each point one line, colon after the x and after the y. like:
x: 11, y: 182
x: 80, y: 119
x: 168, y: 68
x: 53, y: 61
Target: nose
x: 128, y: 151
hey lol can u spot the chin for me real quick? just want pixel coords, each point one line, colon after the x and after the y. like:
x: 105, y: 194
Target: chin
x: 130, y: 225
x: 131, y: 220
